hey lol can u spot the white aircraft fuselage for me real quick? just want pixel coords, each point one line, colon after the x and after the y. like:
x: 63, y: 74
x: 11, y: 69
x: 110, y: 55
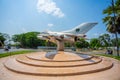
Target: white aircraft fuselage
x: 70, y: 36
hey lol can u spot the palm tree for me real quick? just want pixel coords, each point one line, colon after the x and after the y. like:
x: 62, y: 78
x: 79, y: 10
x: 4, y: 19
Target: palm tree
x: 112, y: 20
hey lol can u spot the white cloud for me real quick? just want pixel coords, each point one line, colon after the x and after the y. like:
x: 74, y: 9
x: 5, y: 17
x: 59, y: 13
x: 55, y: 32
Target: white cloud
x: 49, y: 7
x: 50, y: 25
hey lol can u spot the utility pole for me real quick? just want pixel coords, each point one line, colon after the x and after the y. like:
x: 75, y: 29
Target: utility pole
x: 114, y: 18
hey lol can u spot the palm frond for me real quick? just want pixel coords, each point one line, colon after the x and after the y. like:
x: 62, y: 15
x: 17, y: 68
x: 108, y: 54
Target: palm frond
x: 108, y: 10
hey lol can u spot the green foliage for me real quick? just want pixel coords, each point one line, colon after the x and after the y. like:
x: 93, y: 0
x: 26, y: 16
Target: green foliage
x: 15, y: 53
x: 109, y: 19
x: 82, y: 44
x: 105, y: 40
x: 48, y: 43
x: 107, y: 55
x: 67, y: 44
x: 2, y: 39
x: 114, y: 42
x: 28, y: 40
x: 95, y: 43
x: 112, y: 19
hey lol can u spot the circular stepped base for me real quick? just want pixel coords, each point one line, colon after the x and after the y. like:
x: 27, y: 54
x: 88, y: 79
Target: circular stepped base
x: 59, y: 57
x: 62, y: 64
x: 42, y: 63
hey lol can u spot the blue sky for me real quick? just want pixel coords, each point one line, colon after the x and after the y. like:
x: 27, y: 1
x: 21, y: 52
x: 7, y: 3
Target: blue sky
x: 18, y: 16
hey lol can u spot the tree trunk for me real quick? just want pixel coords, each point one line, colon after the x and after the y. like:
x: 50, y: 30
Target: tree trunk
x: 117, y: 45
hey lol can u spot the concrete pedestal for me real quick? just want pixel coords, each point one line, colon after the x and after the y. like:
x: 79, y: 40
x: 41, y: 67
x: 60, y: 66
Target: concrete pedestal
x: 60, y: 45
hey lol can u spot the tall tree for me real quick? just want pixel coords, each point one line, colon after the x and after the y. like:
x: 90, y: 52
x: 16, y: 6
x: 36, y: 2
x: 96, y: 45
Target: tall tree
x: 113, y: 41
x: 29, y: 40
x: 95, y: 43
x: 112, y: 20
x: 2, y: 39
x: 105, y: 40
x: 82, y: 44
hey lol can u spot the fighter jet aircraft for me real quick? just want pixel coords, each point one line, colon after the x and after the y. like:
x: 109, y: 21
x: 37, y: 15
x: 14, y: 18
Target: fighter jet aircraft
x: 70, y: 35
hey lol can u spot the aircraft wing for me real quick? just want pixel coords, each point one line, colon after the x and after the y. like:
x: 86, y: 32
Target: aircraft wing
x: 74, y: 35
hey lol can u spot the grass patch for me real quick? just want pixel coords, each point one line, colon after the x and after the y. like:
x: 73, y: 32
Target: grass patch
x: 107, y: 55
x: 15, y: 53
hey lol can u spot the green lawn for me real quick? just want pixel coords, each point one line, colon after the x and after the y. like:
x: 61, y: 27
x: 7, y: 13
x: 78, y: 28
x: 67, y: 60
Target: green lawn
x: 107, y: 55
x: 15, y: 53
x: 28, y: 51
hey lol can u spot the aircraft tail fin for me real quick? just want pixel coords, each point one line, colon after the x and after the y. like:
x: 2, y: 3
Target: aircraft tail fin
x: 82, y: 28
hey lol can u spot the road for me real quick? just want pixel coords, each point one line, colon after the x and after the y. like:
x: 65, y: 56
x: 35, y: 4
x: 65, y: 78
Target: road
x: 11, y: 50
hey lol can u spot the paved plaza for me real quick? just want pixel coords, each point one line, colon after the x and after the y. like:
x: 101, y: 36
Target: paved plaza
x: 58, y: 66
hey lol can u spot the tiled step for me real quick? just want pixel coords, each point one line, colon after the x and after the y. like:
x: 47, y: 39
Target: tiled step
x: 42, y: 63
x: 59, y: 57
x: 18, y: 67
